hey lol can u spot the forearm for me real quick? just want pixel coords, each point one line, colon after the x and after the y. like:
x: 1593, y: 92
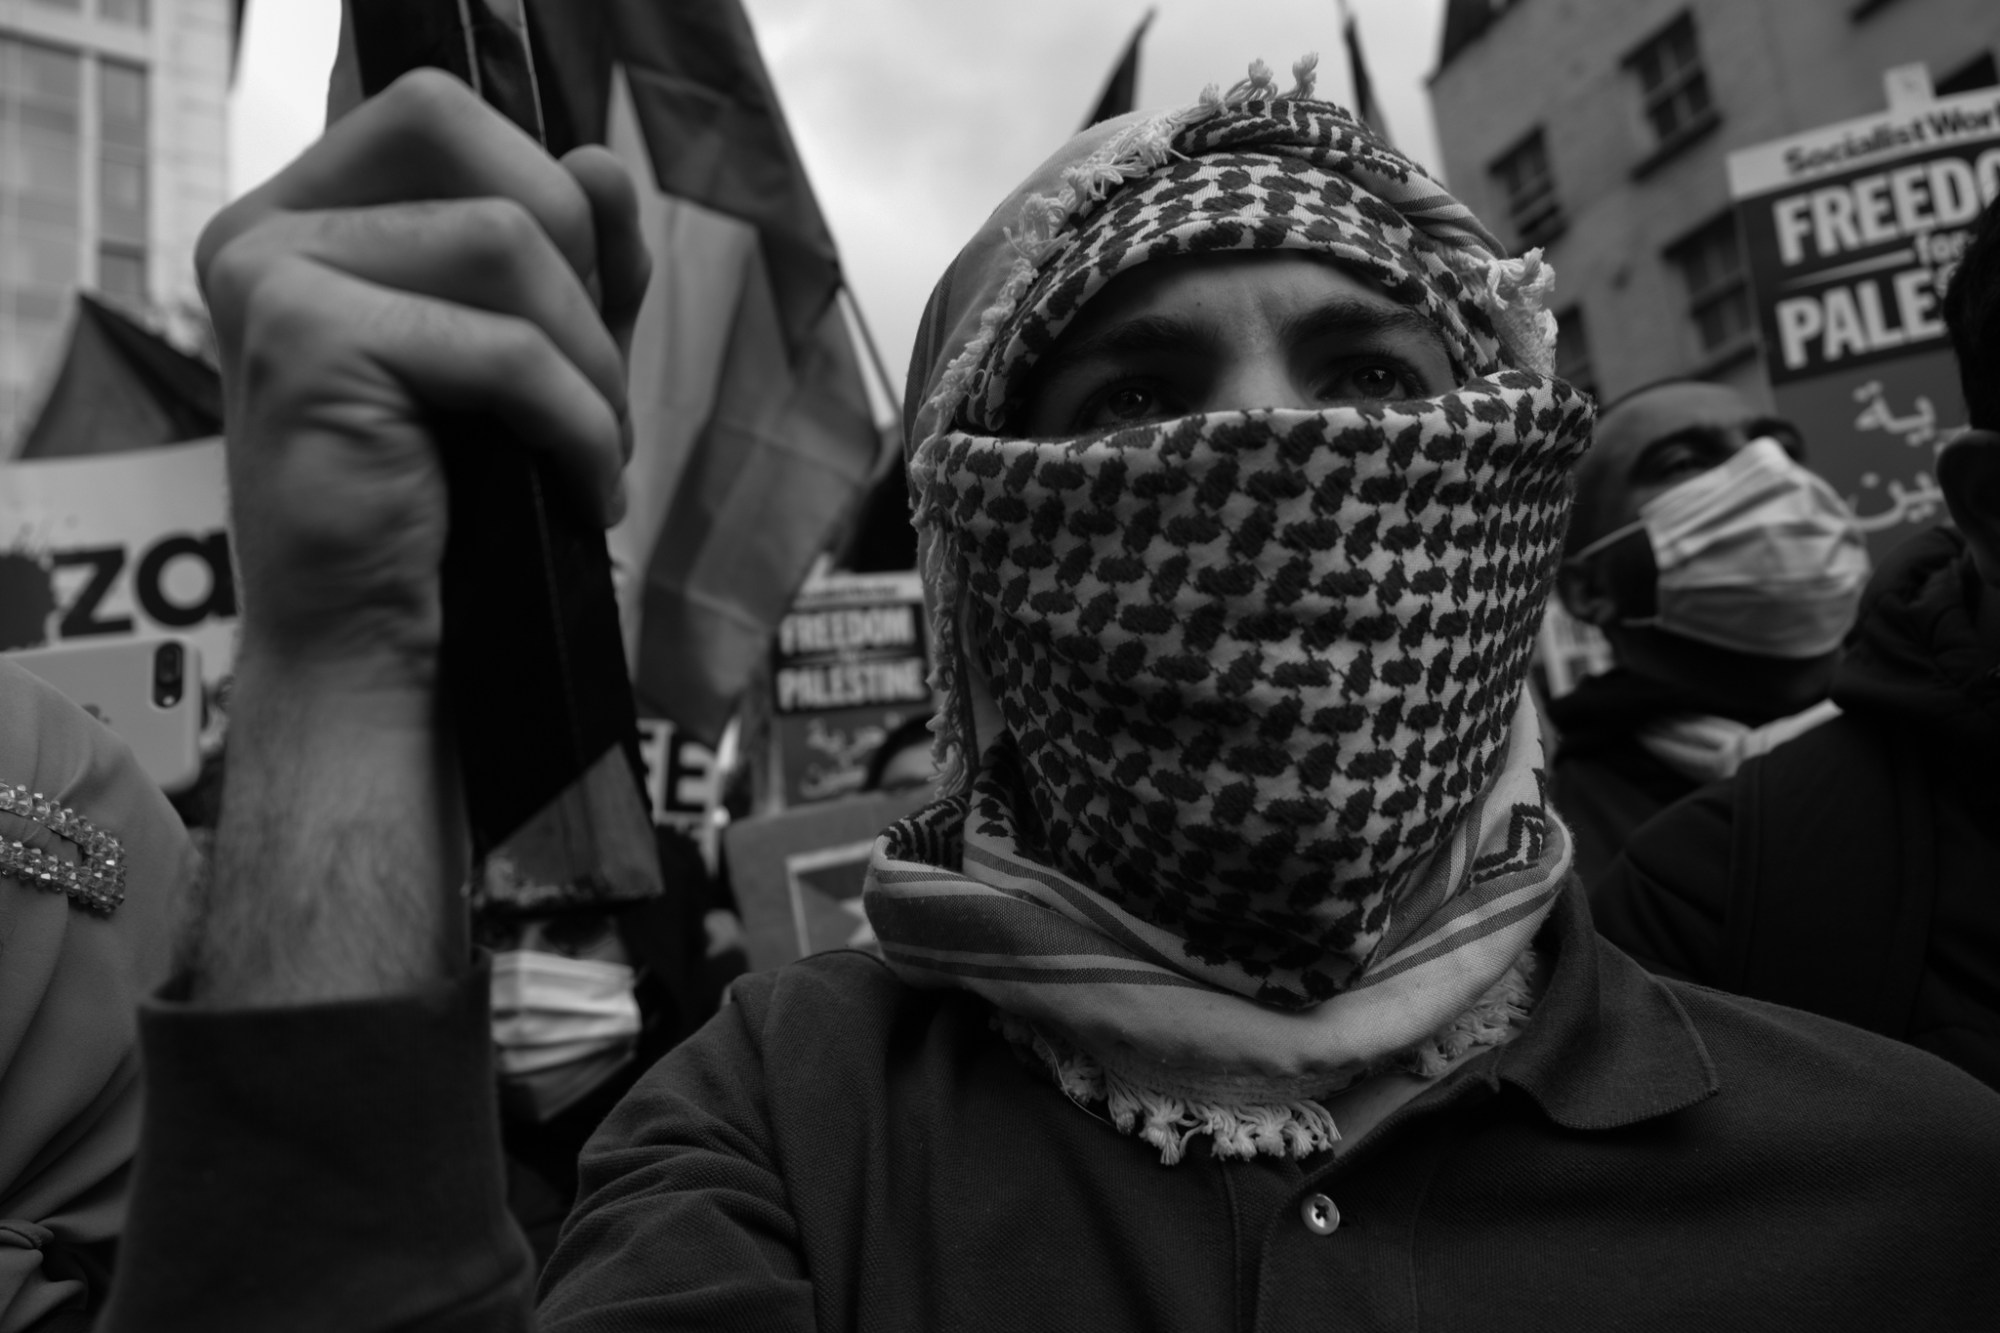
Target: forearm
x: 341, y: 846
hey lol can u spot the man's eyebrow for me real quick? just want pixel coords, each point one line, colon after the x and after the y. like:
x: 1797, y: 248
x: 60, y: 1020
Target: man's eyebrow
x: 1348, y: 318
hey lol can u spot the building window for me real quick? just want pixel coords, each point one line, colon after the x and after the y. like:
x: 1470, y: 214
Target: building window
x: 121, y: 180
x: 1573, y: 351
x: 132, y: 12
x: 1530, y: 191
x: 1979, y: 72
x: 1671, y: 82
x: 41, y: 210
x: 1711, y: 267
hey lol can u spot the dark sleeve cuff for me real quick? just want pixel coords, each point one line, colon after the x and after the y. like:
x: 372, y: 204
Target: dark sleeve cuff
x: 329, y: 1166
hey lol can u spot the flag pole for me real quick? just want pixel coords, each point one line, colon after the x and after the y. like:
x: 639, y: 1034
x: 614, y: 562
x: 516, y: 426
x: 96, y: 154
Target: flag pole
x: 1125, y: 72
x: 888, y: 385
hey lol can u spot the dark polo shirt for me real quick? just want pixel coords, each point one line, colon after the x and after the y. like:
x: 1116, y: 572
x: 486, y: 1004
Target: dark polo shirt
x: 838, y: 1151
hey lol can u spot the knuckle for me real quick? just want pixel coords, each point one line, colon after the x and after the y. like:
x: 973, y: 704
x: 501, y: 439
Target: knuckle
x: 498, y: 235
x: 521, y: 351
x: 427, y: 97
x: 230, y: 279
x: 223, y: 228
x: 284, y: 322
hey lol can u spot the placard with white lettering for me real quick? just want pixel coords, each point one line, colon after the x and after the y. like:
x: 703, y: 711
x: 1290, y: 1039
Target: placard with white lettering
x: 852, y: 663
x: 1851, y: 233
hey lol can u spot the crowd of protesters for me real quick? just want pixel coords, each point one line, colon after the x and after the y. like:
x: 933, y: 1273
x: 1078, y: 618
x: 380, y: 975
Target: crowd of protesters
x: 1267, y: 959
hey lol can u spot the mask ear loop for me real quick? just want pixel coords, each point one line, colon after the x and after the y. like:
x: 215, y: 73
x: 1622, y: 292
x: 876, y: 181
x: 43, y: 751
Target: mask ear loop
x: 1582, y: 563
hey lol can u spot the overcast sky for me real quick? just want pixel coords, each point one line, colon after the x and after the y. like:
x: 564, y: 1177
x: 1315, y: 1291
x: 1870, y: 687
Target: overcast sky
x: 915, y: 117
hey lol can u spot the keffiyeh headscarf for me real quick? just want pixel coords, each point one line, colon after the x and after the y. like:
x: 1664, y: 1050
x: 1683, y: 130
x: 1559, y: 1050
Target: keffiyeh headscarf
x: 1246, y: 796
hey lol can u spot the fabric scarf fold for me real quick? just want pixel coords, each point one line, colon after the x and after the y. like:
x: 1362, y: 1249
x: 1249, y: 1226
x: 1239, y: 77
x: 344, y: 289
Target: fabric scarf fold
x: 957, y: 902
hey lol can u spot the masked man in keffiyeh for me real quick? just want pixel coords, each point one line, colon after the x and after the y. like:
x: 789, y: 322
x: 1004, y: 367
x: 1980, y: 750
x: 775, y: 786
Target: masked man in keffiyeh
x: 1237, y: 980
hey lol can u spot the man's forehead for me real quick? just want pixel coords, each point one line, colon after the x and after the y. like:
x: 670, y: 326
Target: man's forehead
x: 1282, y: 282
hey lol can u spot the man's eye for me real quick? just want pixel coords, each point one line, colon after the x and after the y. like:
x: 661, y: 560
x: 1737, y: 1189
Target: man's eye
x: 1123, y: 405
x: 1675, y: 462
x: 1371, y: 381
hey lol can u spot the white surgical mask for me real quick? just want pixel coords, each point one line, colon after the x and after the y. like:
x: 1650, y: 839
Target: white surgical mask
x: 1757, y: 555
x: 561, y: 1026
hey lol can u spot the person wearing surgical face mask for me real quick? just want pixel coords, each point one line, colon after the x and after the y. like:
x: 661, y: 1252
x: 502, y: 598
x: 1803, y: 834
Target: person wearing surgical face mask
x: 1724, y: 574
x: 1855, y: 872
x: 581, y: 1003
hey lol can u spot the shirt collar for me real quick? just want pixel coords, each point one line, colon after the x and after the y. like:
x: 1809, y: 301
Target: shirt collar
x: 1609, y: 1045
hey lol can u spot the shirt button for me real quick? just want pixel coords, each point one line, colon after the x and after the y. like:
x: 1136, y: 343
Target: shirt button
x: 1321, y: 1217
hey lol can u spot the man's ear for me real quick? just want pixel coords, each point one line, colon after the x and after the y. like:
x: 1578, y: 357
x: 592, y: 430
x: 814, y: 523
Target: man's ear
x: 1580, y: 586
x: 1969, y: 474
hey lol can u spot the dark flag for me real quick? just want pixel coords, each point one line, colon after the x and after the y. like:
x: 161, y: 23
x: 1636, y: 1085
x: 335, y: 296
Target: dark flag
x: 747, y: 390
x: 1121, y: 90
x: 122, y: 386
x: 1365, y: 105
x: 717, y: 138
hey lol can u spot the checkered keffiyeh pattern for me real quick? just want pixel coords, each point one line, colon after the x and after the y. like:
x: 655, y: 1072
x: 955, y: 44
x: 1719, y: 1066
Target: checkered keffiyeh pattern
x: 1257, y: 664
x: 1282, y: 175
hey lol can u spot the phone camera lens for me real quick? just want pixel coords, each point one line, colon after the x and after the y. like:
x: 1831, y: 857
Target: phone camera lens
x: 168, y: 668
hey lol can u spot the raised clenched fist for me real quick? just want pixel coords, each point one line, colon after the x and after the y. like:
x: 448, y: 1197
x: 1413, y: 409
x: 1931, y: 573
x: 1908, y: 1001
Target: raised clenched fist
x: 425, y: 256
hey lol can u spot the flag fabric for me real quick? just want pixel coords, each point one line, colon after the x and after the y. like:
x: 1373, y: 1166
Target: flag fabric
x: 717, y: 137
x: 1121, y: 90
x: 1366, y: 108
x: 753, y: 436
x: 747, y: 458
x: 122, y: 386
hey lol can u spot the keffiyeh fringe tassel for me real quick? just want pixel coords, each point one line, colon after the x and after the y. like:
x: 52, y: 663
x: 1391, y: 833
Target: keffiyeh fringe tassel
x: 1293, y: 1129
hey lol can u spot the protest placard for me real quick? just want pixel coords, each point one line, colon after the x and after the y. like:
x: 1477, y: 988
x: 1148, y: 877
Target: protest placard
x: 1851, y: 232
x: 798, y: 874
x: 852, y: 663
x: 119, y: 545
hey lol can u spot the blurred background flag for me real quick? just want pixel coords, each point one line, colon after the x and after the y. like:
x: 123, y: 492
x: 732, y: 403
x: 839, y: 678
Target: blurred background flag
x: 1121, y: 90
x: 122, y: 385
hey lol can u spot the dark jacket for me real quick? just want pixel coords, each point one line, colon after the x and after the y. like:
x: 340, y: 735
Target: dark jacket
x: 1603, y: 782
x: 839, y: 1151
x: 1854, y: 871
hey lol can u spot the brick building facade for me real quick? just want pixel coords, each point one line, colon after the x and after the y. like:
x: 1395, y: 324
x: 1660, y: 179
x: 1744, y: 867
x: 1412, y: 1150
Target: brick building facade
x: 1599, y: 128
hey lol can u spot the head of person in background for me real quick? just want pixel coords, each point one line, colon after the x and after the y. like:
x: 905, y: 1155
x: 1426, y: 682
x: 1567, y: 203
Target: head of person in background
x: 80, y: 946
x: 1724, y: 575
x: 1714, y: 561
x: 565, y: 1014
x: 586, y: 994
